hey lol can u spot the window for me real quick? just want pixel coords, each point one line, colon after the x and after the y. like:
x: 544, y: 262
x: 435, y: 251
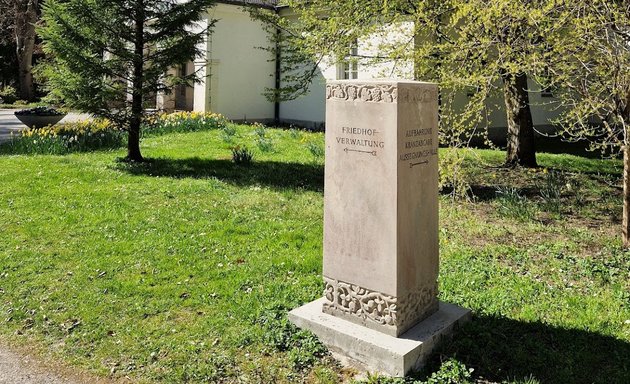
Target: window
x: 183, y: 72
x: 546, y: 84
x: 546, y: 92
x: 349, y: 68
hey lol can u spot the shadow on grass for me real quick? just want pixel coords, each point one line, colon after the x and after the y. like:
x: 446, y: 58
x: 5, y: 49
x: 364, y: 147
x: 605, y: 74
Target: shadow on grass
x: 270, y: 173
x: 491, y: 192
x: 545, y: 144
x: 501, y: 349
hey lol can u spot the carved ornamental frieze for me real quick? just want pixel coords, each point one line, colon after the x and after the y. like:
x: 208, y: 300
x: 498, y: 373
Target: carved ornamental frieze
x: 379, y: 93
x: 375, y: 309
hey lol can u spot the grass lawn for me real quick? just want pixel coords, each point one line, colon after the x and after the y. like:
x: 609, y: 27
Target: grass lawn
x: 183, y: 269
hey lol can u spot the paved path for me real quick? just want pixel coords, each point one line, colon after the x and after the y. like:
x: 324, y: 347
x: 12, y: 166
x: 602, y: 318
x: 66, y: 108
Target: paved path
x: 9, y: 123
x: 18, y: 369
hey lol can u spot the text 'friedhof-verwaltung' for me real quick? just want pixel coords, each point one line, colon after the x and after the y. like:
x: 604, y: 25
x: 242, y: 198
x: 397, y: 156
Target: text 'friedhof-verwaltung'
x: 364, y: 140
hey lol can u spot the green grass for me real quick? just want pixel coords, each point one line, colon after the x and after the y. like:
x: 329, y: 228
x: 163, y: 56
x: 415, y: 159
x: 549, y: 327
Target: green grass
x: 182, y: 269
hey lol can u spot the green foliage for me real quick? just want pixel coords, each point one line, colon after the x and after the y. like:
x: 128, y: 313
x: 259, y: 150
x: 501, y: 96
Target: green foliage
x: 295, y: 133
x: 463, y: 46
x: 587, y: 62
x: 316, y: 149
x: 242, y: 155
x: 263, y: 141
x: 512, y: 204
x: 452, y: 175
x: 451, y: 372
x: 551, y: 190
x: 228, y: 132
x: 39, y: 111
x: 8, y: 95
x: 302, y: 347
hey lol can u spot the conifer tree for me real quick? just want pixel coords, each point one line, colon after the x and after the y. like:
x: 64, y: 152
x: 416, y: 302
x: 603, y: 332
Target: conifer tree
x: 107, y: 57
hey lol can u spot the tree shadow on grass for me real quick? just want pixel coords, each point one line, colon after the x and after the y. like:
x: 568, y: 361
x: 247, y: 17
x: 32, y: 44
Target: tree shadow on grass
x: 501, y: 349
x: 281, y: 175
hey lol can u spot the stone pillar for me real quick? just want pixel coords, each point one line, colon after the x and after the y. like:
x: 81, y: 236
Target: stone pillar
x: 381, y: 225
x: 381, y: 204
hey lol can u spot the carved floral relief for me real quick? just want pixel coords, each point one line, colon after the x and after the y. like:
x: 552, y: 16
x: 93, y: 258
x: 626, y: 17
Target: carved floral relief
x: 379, y: 93
x: 377, y: 307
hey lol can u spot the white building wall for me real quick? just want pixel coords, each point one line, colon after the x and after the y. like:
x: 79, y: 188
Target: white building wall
x: 310, y: 109
x: 237, y: 72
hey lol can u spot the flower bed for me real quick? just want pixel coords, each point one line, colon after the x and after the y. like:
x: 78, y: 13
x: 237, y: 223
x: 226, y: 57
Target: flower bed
x: 81, y: 136
x: 98, y: 134
x: 163, y: 123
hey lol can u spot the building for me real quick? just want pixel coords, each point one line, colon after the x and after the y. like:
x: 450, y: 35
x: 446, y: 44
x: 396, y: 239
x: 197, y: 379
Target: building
x: 236, y: 72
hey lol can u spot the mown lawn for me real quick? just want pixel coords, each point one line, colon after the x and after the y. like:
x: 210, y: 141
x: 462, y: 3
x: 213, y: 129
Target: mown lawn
x: 183, y: 269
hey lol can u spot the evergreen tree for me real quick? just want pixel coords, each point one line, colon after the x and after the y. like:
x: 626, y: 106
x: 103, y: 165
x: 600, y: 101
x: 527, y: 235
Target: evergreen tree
x: 107, y: 57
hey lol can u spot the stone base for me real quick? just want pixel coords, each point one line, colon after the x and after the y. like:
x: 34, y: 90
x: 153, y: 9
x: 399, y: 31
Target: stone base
x: 373, y: 351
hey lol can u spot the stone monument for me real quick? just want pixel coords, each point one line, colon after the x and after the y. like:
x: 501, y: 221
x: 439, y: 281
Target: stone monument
x: 380, y: 309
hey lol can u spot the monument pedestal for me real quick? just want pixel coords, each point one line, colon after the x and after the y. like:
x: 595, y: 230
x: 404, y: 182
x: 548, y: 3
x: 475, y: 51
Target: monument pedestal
x: 381, y: 250
x: 374, y: 351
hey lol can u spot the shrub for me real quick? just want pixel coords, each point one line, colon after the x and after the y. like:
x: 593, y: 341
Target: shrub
x: 316, y: 149
x: 551, y: 190
x: 302, y: 347
x: 241, y: 155
x: 451, y: 372
x: 514, y: 205
x: 227, y: 133
x: 264, y: 142
x: 8, y: 95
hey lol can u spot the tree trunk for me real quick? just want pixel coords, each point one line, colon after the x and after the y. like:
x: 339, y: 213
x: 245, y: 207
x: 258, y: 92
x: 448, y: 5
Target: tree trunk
x: 133, y: 141
x: 625, y: 222
x: 520, y: 130
x: 25, y: 19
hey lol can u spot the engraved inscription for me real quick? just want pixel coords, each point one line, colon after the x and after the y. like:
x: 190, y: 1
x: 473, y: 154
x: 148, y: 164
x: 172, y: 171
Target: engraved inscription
x: 417, y: 95
x: 418, y: 146
x: 361, y: 140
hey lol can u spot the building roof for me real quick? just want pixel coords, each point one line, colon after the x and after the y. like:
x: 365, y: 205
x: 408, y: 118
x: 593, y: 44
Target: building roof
x: 261, y: 3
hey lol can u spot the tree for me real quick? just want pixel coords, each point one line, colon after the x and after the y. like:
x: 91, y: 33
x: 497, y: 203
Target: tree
x: 462, y: 45
x: 589, y: 59
x: 107, y: 57
x: 17, y: 24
